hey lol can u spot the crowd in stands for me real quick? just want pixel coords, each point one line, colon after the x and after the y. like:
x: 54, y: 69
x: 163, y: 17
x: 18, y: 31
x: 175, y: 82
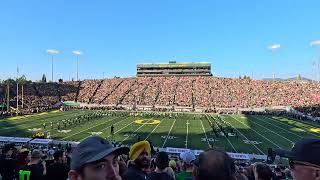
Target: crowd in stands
x: 95, y: 158
x: 206, y: 92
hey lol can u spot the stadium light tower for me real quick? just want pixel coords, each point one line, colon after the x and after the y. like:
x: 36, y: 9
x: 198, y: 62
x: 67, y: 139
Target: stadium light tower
x: 316, y: 43
x: 273, y: 48
x: 77, y: 53
x: 52, y: 52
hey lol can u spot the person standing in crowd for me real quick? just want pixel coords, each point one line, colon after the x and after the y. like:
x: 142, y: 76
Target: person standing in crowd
x: 58, y: 170
x: 7, y: 163
x: 304, y: 159
x: 262, y: 172
x: 187, y: 165
x: 95, y: 159
x: 162, y: 162
x: 36, y: 166
x: 140, y: 154
x: 214, y: 164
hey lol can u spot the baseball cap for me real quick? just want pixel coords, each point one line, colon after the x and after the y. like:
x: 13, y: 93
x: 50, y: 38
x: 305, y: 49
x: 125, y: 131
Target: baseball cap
x: 305, y: 150
x: 36, y: 154
x: 92, y: 149
x: 188, y: 157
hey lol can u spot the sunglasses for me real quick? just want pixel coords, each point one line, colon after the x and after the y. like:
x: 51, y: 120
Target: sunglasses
x: 292, y: 163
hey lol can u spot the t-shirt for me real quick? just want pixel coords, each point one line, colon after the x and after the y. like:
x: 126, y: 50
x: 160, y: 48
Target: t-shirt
x: 36, y: 171
x: 160, y: 176
x: 183, y: 175
x: 57, y: 171
x: 7, y: 167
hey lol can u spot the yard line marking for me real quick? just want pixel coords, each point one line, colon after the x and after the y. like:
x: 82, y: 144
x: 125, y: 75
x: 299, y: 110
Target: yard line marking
x: 279, y: 127
x: 121, y: 129
x: 169, y: 133
x: 271, y: 131
x: 108, y: 127
x: 187, y: 133
x: 154, y: 129
x: 306, y: 130
x: 88, y: 128
x: 229, y: 141
x: 135, y: 131
x: 258, y: 133
x: 243, y: 136
x: 205, y: 133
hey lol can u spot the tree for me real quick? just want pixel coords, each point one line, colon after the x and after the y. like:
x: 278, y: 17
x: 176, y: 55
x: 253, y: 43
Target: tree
x: 44, y: 79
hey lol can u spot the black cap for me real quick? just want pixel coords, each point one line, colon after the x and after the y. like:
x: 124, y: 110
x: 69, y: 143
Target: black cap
x: 93, y: 149
x: 305, y: 150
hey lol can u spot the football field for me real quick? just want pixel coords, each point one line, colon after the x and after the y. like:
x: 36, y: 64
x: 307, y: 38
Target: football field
x: 250, y: 134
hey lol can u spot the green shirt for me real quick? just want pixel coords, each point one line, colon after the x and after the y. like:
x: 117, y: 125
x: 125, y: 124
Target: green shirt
x: 182, y: 175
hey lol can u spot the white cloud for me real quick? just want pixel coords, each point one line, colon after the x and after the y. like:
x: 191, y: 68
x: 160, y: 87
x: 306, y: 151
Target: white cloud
x: 77, y: 52
x: 274, y: 46
x: 52, y: 51
x: 315, y: 43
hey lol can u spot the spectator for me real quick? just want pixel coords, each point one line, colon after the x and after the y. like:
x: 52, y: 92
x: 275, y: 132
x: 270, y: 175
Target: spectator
x: 188, y: 158
x: 262, y: 172
x: 162, y: 162
x: 214, y: 164
x: 58, y: 170
x: 7, y: 164
x: 304, y: 159
x: 140, y: 155
x: 36, y: 166
x: 95, y: 158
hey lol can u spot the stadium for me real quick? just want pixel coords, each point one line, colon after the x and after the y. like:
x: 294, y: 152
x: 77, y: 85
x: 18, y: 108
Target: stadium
x: 159, y: 90
x: 175, y: 112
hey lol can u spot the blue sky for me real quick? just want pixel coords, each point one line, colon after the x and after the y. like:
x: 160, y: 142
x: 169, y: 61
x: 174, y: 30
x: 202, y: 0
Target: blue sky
x: 116, y: 35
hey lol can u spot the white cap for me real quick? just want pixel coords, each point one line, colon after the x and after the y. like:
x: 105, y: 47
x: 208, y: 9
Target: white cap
x: 188, y: 157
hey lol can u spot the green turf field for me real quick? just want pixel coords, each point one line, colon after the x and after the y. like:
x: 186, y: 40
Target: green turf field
x: 255, y: 133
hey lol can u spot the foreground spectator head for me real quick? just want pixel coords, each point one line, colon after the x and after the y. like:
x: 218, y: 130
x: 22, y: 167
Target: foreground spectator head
x: 36, y: 154
x: 60, y: 156
x: 304, y: 159
x: 140, y: 153
x: 262, y: 172
x: 8, y: 149
x: 214, y: 164
x: 95, y: 158
x: 162, y: 160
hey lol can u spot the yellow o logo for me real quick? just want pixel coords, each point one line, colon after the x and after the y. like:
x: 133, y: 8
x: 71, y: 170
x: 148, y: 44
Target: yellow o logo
x: 146, y: 121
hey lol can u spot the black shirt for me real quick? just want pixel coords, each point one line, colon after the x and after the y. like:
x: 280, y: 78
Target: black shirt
x: 36, y: 171
x: 7, y: 167
x: 160, y: 176
x: 135, y: 173
x: 57, y: 171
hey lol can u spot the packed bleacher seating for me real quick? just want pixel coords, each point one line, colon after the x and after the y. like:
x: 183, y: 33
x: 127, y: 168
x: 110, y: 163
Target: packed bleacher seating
x: 206, y: 92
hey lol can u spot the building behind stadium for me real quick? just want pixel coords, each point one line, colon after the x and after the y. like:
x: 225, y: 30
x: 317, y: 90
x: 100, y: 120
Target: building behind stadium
x: 174, y: 69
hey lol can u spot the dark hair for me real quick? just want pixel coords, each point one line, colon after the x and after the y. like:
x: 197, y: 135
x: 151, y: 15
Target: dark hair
x: 58, y: 154
x: 215, y: 164
x: 162, y: 160
x: 263, y: 171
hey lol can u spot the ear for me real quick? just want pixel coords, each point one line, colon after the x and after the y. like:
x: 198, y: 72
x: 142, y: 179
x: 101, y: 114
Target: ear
x: 74, y: 175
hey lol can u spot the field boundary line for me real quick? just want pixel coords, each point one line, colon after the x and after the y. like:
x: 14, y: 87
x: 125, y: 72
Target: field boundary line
x: 169, y: 133
x: 109, y: 126
x: 306, y: 130
x: 205, y: 133
x: 271, y: 131
x: 264, y: 118
x: 154, y: 129
x: 258, y: 133
x: 87, y: 128
x: 186, y: 144
x: 121, y: 129
x: 135, y: 131
x: 228, y: 140
x: 243, y: 135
